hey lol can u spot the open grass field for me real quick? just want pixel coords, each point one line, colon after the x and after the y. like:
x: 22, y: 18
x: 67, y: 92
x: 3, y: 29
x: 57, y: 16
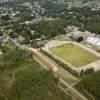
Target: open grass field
x: 74, y: 55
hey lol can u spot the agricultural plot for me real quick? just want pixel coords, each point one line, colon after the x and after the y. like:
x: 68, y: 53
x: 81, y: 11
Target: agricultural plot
x: 73, y: 54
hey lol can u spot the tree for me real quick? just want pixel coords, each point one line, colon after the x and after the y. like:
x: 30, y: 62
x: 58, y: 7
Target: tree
x: 5, y: 17
x: 89, y: 71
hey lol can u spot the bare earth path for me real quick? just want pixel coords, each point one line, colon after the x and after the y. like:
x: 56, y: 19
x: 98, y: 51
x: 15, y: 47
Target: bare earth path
x: 14, y: 74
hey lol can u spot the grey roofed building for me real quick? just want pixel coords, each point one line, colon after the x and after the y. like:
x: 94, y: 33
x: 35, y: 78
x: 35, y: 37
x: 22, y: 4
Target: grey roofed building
x: 77, y: 35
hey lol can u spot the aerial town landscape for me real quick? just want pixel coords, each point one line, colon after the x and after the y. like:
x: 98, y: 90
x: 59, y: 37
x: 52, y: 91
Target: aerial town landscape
x: 49, y: 49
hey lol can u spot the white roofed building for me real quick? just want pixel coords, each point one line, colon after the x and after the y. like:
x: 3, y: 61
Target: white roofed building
x: 94, y: 41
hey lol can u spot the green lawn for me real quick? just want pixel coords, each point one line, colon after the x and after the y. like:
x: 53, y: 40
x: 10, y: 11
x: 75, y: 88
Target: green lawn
x: 74, y: 54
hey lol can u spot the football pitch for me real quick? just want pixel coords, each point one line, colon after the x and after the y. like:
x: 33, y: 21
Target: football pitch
x: 73, y: 54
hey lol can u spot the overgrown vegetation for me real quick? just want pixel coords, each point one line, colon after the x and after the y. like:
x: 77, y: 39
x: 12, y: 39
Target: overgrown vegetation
x: 50, y: 28
x: 91, y: 83
x: 34, y: 84
x: 22, y: 78
x: 13, y: 58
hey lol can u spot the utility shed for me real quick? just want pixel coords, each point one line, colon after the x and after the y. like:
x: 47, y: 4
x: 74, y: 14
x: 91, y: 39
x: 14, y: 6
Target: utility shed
x: 78, y: 36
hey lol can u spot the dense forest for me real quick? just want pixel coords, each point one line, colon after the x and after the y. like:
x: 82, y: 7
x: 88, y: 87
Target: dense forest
x: 91, y: 83
x: 50, y: 28
x: 83, y: 17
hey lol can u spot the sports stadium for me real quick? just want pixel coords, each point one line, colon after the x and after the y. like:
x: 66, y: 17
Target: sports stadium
x: 75, y: 56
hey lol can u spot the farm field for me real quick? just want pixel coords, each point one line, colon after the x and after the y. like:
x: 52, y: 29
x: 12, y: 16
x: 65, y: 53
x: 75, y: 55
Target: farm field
x: 74, y: 55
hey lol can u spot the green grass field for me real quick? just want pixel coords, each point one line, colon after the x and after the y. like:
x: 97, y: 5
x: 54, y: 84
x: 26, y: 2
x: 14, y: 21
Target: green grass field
x: 74, y: 54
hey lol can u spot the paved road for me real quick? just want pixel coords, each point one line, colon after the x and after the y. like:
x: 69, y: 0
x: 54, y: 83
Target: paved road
x: 54, y: 68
